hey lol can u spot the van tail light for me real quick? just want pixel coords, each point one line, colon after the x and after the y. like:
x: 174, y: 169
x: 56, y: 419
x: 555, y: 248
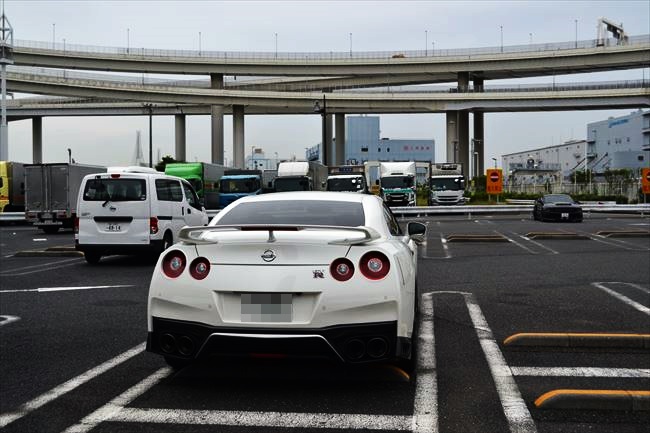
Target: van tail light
x: 342, y: 269
x: 173, y: 264
x: 200, y: 268
x: 76, y: 224
x: 374, y: 265
x: 153, y: 225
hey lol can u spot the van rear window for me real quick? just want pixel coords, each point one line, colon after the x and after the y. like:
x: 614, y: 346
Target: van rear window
x: 115, y: 190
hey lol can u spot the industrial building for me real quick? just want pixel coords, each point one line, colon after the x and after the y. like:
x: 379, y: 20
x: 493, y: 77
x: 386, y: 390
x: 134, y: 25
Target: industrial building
x: 615, y: 143
x: 364, y: 143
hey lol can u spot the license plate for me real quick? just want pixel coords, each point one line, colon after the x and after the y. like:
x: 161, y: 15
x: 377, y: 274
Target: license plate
x: 113, y: 228
x: 266, y: 307
x: 565, y: 215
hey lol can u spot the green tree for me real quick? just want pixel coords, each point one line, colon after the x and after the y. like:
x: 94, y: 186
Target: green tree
x: 167, y: 159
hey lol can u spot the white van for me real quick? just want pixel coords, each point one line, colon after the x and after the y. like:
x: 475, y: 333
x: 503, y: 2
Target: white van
x: 131, y: 210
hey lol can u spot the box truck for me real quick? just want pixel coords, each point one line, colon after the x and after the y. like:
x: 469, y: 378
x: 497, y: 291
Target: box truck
x: 12, y: 186
x: 51, y: 192
x: 204, y: 178
x: 347, y: 178
x: 301, y: 176
x: 447, y: 184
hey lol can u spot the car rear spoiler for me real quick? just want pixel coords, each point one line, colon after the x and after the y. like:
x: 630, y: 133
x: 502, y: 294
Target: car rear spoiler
x: 195, y: 235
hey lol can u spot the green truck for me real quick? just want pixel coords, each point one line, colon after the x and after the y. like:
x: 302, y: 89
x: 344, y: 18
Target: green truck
x: 203, y: 176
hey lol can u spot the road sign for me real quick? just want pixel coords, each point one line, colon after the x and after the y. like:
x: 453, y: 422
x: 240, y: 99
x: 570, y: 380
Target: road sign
x: 645, y: 180
x: 494, y: 181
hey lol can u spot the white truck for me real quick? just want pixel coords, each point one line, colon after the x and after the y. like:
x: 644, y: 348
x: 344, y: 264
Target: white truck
x: 347, y: 178
x: 397, y: 183
x: 301, y: 176
x: 51, y: 192
x: 447, y: 184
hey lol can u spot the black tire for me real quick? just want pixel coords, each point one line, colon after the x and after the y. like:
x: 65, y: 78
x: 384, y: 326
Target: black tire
x: 168, y: 241
x: 50, y: 230
x: 92, y: 258
x: 177, y: 363
x: 409, y: 366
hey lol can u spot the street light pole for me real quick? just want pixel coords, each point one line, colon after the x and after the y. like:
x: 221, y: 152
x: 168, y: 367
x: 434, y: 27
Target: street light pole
x: 53, y: 35
x: 495, y: 162
x: 199, y: 44
x: 501, y: 27
x: 276, y: 45
x: 150, y: 107
x: 350, y: 44
x: 128, y: 41
x: 323, y: 112
x: 426, y: 42
x: 576, y: 22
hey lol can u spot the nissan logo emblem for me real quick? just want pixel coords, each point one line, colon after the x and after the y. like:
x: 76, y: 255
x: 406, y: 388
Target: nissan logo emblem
x: 268, y: 256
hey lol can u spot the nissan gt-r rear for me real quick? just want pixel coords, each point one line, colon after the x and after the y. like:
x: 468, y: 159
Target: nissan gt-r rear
x: 304, y: 274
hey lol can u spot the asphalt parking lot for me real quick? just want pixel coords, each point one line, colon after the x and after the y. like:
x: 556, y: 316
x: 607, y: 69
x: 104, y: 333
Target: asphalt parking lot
x: 525, y: 327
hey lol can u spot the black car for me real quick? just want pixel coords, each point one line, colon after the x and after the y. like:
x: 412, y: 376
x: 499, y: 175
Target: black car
x: 557, y: 207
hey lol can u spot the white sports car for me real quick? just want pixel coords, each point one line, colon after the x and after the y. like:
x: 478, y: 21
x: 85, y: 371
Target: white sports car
x: 296, y: 274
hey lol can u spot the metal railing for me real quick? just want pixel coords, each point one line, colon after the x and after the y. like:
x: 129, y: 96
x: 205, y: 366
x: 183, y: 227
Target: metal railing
x: 339, y: 56
x: 421, y: 211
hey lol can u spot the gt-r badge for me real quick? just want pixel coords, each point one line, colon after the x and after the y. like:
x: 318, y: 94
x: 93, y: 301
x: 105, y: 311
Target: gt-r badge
x: 268, y: 256
x: 319, y: 274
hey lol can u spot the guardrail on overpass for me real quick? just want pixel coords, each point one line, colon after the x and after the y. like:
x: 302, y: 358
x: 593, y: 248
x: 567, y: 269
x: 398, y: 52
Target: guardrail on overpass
x: 469, y: 210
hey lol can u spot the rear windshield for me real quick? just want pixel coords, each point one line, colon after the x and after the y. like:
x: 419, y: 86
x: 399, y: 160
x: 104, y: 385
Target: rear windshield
x: 115, y: 190
x: 307, y: 212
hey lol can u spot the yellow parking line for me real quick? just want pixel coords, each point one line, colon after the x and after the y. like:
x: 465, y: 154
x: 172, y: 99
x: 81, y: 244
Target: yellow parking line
x: 576, y: 339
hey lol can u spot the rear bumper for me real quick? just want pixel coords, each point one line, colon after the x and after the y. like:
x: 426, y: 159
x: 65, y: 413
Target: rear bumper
x: 153, y: 247
x: 349, y: 343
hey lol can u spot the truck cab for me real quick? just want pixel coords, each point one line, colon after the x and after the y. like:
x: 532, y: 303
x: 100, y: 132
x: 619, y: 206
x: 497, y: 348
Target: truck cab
x: 397, y: 183
x: 446, y: 185
x: 236, y: 184
x: 347, y: 178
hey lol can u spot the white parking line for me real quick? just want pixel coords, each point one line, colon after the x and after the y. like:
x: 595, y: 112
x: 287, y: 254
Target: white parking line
x: 113, y: 407
x: 581, y: 372
x: 514, y: 407
x: 8, y: 319
x: 625, y: 299
x: 64, y: 388
x: 41, y: 267
x: 539, y: 244
x: 262, y: 419
x: 515, y: 242
x: 425, y: 403
x: 62, y: 289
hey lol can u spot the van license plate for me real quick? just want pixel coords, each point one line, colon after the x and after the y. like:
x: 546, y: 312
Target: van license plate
x: 113, y: 228
x: 565, y: 216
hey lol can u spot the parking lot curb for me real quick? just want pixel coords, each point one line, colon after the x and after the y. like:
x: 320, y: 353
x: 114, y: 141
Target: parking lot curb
x: 624, y: 233
x: 594, y: 340
x: 555, y: 235
x: 595, y: 399
x: 475, y: 238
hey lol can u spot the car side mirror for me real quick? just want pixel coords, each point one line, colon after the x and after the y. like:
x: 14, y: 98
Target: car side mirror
x: 417, y: 232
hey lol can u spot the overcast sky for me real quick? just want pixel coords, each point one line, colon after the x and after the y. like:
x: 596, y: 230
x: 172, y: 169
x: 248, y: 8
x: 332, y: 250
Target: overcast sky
x: 310, y: 26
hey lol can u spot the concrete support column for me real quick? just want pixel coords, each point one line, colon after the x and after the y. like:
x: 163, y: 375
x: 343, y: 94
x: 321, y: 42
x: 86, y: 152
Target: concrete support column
x: 452, y: 136
x: 238, y: 142
x: 479, y: 133
x: 216, y: 114
x: 340, y: 138
x: 328, y: 140
x: 180, y: 142
x: 463, y: 141
x: 37, y: 140
x: 458, y: 138
x: 463, y: 81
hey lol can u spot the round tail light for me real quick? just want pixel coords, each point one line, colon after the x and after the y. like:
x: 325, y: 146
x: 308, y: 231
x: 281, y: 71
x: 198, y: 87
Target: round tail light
x: 200, y: 268
x: 374, y: 265
x: 173, y: 264
x: 342, y: 269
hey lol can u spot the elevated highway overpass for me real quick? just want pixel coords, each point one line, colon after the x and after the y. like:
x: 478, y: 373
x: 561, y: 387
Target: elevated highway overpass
x: 290, y: 82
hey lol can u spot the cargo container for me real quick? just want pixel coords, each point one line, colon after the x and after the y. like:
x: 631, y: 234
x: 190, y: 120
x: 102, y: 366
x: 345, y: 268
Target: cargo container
x: 51, y: 192
x: 12, y: 186
x: 301, y: 176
